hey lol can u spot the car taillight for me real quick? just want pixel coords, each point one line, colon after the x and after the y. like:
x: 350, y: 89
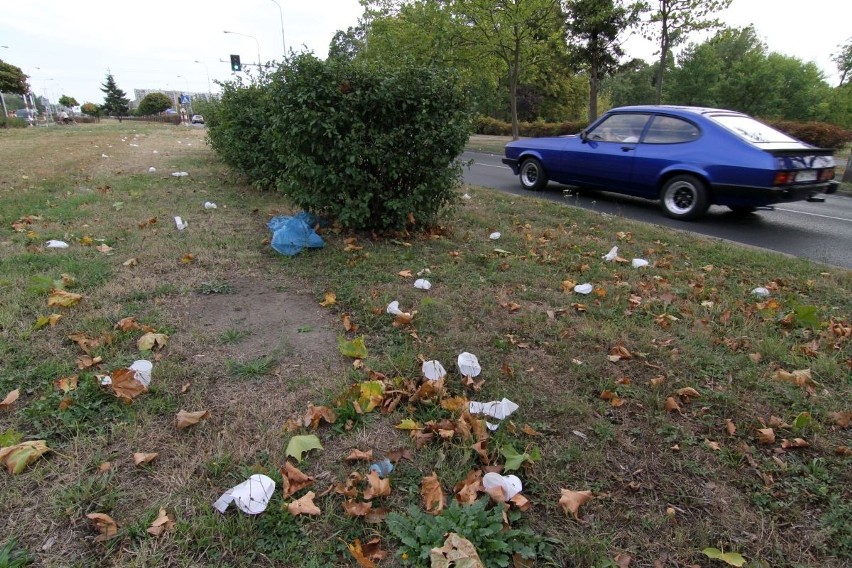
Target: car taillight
x: 826, y: 174
x: 784, y: 178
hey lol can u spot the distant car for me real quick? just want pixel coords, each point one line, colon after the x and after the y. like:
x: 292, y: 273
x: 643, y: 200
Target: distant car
x: 686, y: 157
x: 197, y: 119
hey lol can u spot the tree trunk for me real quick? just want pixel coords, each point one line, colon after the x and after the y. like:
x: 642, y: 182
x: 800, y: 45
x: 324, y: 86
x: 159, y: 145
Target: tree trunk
x: 594, y: 85
x: 847, y: 175
x: 513, y: 88
x: 664, y: 51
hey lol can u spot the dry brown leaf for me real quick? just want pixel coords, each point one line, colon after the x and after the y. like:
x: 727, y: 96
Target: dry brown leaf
x: 356, y: 550
x: 623, y: 560
x: 356, y: 509
x: 688, y: 393
x: 85, y: 361
x: 730, y: 427
x: 125, y: 386
x: 187, y: 258
x: 794, y: 443
x: 715, y: 446
x: 843, y: 451
x: 17, y: 457
x: 85, y: 342
x: 434, y: 499
x: 304, y: 506
x: 130, y: 262
x: 186, y: 419
x: 657, y: 381
x: 400, y: 453
x: 618, y: 353
x: 842, y: 419
x: 467, y: 489
x: 755, y: 357
x: 330, y: 299
x: 529, y: 431
x: 10, y: 398
x: 571, y: 501
x: 457, y: 551
x: 766, y: 435
x: 140, y: 457
x: 455, y: 404
x: 293, y: 480
x: 105, y: 525
x: 405, y: 273
x: 162, y: 524
x: 315, y: 414
x: 358, y: 455
x: 671, y: 405
x: 801, y: 377
x: 377, y: 487
x: 63, y: 298
x: 151, y: 341
x: 127, y: 324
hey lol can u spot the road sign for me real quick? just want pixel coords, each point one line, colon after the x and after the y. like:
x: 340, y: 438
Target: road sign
x: 184, y: 99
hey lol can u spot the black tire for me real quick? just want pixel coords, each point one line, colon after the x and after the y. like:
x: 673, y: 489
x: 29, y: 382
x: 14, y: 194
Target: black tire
x: 741, y: 210
x: 533, y: 176
x: 684, y: 197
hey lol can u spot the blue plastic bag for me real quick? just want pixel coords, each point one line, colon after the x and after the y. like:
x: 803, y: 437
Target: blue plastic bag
x: 291, y: 234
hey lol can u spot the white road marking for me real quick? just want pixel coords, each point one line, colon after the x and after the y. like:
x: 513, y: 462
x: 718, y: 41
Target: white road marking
x: 491, y: 166
x: 813, y: 214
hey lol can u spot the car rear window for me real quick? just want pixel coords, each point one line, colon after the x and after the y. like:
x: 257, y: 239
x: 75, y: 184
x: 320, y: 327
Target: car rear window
x: 750, y: 129
x: 670, y: 130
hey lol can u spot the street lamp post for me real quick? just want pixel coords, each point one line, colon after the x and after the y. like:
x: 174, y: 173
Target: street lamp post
x: 281, y: 15
x: 207, y: 70
x: 255, y: 41
x: 187, y: 92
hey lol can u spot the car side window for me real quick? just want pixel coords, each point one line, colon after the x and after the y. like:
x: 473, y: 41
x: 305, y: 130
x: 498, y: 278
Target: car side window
x: 619, y: 128
x: 671, y: 130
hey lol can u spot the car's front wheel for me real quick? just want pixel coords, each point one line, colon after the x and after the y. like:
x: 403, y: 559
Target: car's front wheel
x: 533, y: 176
x: 684, y: 197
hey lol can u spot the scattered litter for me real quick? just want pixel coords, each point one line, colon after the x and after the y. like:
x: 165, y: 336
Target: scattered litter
x: 611, y: 255
x: 510, y: 484
x: 56, y: 244
x: 142, y: 371
x: 152, y: 169
x: 424, y: 271
x: 497, y: 409
x: 383, y: 467
x: 251, y: 496
x: 179, y: 142
x: 104, y: 156
x: 433, y: 370
x: 639, y: 262
x: 494, y: 236
x: 155, y: 152
x: 292, y: 234
x: 134, y: 145
x: 180, y: 224
x: 106, y: 380
x: 465, y: 196
x: 422, y: 284
x: 179, y: 174
x: 469, y: 364
x: 762, y: 292
x: 583, y: 288
x: 579, y: 434
x: 393, y: 308
x: 209, y: 205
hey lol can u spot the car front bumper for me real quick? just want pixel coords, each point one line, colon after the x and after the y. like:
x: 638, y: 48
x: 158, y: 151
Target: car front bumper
x: 512, y: 163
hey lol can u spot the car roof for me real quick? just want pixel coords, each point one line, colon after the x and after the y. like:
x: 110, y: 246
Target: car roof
x: 677, y: 109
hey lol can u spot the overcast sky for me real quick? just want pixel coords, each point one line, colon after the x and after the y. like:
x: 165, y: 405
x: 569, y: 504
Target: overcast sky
x: 67, y: 47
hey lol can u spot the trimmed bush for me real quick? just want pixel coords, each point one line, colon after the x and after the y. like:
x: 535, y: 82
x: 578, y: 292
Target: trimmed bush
x: 238, y: 129
x: 820, y: 134
x: 492, y: 126
x: 367, y: 146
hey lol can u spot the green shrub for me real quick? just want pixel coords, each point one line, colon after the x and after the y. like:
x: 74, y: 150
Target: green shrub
x: 420, y: 532
x: 820, y: 134
x: 367, y: 146
x: 238, y: 130
x: 492, y: 126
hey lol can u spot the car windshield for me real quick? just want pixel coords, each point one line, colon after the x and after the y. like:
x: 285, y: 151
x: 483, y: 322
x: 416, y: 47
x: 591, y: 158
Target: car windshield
x: 751, y: 130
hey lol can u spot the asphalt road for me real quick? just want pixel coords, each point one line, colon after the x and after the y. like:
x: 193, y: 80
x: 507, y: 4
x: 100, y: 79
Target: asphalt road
x: 821, y: 232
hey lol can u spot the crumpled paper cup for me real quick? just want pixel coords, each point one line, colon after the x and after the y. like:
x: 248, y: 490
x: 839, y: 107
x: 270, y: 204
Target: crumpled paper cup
x: 433, y: 370
x: 510, y: 484
x: 251, y: 496
x: 611, y: 255
x: 142, y: 371
x: 469, y: 365
x: 583, y: 288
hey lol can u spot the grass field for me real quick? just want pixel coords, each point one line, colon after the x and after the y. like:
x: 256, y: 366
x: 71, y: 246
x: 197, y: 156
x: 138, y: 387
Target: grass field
x: 669, y: 411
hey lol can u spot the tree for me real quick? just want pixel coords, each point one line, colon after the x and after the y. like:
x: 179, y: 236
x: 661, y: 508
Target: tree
x: 116, y: 102
x: 843, y: 60
x: 348, y: 44
x: 12, y: 79
x: 519, y: 34
x: 595, y: 26
x: 91, y: 109
x: 675, y: 20
x: 67, y: 101
x: 154, y: 103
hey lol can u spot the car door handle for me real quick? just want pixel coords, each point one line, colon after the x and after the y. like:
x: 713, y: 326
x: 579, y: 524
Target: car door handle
x: 627, y: 148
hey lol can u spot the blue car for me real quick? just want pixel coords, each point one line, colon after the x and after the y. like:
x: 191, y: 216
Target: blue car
x: 686, y: 157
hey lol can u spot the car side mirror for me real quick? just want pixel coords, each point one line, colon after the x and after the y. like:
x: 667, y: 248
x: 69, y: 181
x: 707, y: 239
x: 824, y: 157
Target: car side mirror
x: 584, y: 136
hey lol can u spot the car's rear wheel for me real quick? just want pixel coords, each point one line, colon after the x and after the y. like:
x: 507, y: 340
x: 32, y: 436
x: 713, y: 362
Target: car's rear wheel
x: 533, y: 176
x: 684, y: 197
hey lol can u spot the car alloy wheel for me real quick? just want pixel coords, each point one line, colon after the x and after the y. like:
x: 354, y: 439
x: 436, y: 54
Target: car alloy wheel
x: 533, y: 177
x: 685, y: 197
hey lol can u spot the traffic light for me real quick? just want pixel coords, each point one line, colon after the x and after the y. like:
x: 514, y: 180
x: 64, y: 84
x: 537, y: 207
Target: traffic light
x: 235, y: 63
